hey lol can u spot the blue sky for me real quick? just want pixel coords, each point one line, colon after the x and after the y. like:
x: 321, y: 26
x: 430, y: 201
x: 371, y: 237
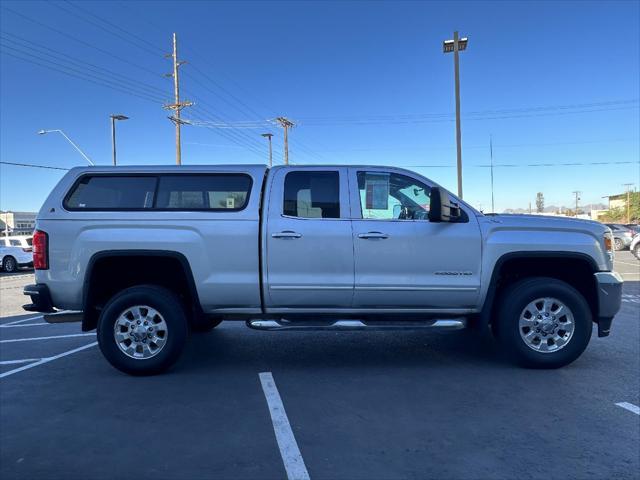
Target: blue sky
x: 367, y: 82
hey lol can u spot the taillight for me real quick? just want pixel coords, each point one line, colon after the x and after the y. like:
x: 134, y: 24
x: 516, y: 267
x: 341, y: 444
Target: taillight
x: 608, y: 246
x: 40, y: 250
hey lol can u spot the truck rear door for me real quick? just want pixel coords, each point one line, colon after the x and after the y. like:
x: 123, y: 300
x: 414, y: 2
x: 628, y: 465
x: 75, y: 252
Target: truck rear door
x: 307, y: 240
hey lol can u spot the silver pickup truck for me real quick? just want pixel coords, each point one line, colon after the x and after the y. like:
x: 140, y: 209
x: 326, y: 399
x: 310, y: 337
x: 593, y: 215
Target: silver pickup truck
x: 149, y: 253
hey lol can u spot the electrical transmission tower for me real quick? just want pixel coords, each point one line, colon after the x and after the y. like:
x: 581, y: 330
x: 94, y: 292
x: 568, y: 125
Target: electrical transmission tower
x: 177, y: 105
x: 286, y: 124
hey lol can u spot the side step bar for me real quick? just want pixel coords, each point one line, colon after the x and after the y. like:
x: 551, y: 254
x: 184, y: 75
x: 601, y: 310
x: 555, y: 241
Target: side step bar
x: 63, y: 316
x: 355, y: 325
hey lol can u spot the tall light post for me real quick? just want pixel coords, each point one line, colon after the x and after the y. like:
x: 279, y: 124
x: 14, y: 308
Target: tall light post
x: 269, y: 136
x: 43, y: 132
x: 456, y: 45
x: 113, y: 133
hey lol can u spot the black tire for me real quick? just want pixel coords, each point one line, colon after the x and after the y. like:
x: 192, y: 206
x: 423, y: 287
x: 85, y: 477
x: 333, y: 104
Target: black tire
x: 617, y: 244
x: 636, y: 251
x: 168, y: 305
x: 513, y: 301
x: 204, y: 324
x: 9, y: 264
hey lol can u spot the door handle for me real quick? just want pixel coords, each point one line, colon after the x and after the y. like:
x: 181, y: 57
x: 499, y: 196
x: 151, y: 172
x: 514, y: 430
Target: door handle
x: 368, y: 235
x: 286, y: 234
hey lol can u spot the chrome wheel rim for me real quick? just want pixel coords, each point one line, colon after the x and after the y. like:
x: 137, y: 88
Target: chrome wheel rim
x: 546, y: 325
x: 140, y: 332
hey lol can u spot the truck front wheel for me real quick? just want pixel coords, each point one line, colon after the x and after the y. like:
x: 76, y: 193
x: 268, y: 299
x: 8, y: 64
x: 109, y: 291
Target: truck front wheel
x: 142, y: 330
x: 543, y: 323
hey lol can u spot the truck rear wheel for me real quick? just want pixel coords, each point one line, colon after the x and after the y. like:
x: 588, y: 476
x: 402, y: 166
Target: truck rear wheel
x: 142, y: 330
x: 543, y: 323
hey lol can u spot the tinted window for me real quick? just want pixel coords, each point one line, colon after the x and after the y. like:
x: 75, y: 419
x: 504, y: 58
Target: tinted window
x: 312, y: 195
x: 112, y: 193
x: 389, y: 196
x: 203, y: 192
x: 15, y: 243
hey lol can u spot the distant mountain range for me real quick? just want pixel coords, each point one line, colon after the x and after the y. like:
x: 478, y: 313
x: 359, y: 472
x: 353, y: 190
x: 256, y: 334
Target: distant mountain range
x: 555, y: 209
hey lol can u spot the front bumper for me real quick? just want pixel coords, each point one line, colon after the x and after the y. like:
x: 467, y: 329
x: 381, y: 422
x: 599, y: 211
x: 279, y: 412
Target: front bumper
x: 40, y: 298
x: 609, y: 286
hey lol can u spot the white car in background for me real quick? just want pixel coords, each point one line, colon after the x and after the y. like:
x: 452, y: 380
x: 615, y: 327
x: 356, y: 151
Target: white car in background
x: 22, y: 241
x: 15, y: 252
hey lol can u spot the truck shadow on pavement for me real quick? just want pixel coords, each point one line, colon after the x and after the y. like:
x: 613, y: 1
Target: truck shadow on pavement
x: 230, y: 346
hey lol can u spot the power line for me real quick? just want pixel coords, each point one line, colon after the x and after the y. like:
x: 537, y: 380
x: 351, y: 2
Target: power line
x: 237, y: 103
x: 97, y: 80
x: 60, y: 56
x: 140, y: 39
x: 551, y: 110
x: 103, y: 83
x: 63, y: 69
x: 96, y: 24
x: 82, y: 42
x: 33, y: 165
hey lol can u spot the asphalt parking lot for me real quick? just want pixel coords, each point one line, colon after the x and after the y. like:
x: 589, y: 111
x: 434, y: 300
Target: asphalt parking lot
x: 377, y: 405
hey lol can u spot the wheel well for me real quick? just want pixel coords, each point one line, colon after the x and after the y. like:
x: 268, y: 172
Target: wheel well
x: 110, y: 273
x: 576, y: 271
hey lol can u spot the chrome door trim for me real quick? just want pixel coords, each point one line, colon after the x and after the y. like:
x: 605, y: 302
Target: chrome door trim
x: 309, y: 287
x: 417, y: 288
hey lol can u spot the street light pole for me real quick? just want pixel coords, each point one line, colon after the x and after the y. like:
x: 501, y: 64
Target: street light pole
x: 456, y: 45
x: 43, y: 132
x: 268, y: 136
x: 113, y: 133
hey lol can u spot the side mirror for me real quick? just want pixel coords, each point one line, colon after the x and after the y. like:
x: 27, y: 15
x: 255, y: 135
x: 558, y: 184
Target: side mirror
x: 440, y: 208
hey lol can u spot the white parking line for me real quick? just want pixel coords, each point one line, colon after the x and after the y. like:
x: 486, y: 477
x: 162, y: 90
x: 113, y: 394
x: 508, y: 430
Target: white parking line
x: 47, y: 360
x: 289, y: 451
x: 627, y: 263
x: 48, y: 338
x: 27, y: 325
x: 20, y: 321
x: 629, y: 406
x: 24, y: 360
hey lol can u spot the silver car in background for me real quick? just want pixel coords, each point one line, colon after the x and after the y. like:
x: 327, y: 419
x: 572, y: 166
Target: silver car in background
x: 622, y: 235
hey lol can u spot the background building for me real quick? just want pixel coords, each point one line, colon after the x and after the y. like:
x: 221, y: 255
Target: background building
x: 17, y: 223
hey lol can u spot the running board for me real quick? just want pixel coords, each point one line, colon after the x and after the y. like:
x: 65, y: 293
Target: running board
x: 63, y: 316
x: 355, y: 325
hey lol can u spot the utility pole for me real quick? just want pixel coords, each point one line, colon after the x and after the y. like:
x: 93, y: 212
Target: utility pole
x: 577, y: 194
x: 286, y: 124
x: 455, y: 46
x: 493, y: 207
x: 268, y: 136
x: 113, y: 133
x: 628, y: 186
x: 177, y: 105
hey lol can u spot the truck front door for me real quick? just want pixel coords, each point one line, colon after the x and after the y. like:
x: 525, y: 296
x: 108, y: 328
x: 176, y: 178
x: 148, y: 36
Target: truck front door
x: 401, y: 259
x: 308, y: 240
